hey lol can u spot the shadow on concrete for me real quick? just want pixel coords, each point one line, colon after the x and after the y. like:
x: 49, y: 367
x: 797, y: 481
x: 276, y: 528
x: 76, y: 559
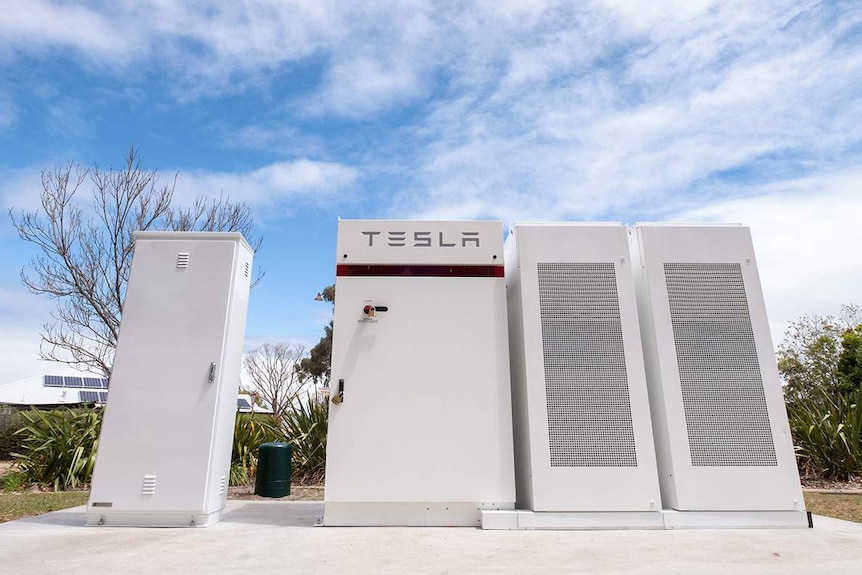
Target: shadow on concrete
x: 72, y: 517
x: 276, y: 513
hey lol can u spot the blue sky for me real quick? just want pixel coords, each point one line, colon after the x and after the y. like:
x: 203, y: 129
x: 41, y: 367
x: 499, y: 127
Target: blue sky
x: 614, y: 110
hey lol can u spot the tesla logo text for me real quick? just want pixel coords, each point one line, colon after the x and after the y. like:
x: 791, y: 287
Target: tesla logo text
x: 422, y: 239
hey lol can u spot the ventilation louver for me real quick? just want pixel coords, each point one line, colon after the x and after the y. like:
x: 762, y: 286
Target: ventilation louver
x: 149, y: 485
x: 722, y: 389
x: 586, y: 384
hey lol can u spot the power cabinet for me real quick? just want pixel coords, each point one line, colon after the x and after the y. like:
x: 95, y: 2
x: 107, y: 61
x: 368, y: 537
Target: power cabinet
x: 722, y: 438
x: 583, y: 437
x: 165, y: 446
x: 420, y: 428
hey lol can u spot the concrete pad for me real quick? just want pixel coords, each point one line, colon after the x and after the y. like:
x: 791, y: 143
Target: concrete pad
x: 278, y: 537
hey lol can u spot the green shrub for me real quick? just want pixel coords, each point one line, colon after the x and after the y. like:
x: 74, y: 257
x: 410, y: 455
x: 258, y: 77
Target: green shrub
x: 10, y: 442
x: 250, y: 431
x: 59, y: 447
x: 13, y: 481
x: 306, y: 426
x: 827, y: 433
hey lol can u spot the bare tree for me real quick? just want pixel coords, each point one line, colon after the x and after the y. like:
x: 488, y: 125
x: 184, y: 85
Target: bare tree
x: 86, y: 249
x: 273, y: 369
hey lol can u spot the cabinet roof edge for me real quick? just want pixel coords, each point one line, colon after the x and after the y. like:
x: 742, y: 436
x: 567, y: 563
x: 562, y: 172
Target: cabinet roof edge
x: 207, y: 236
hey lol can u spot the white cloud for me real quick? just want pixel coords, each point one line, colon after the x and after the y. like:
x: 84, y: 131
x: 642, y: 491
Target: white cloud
x: 530, y: 110
x: 641, y: 114
x: 227, y: 46
x: 362, y: 85
x: 19, y: 189
x: 805, y: 234
x: 22, y: 315
x: 272, y: 187
x: 19, y: 355
x: 302, y: 180
x: 42, y: 24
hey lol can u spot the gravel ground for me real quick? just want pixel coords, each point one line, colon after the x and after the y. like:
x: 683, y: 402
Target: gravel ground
x: 827, y: 486
x: 297, y: 493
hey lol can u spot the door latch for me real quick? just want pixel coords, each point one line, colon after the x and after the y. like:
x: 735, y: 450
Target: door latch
x: 370, y: 311
x: 339, y: 396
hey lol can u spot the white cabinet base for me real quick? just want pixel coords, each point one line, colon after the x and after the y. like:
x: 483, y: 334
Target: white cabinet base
x: 389, y: 514
x: 143, y: 519
x: 668, y: 519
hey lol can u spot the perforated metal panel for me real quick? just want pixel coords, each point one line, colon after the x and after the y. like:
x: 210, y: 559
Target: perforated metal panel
x: 586, y: 385
x: 722, y: 390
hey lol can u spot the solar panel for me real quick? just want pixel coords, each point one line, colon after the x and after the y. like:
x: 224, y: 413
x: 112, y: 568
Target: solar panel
x: 52, y: 381
x: 88, y: 396
x: 94, y: 382
x: 242, y: 404
x: 103, y: 396
x: 104, y: 383
x: 73, y: 382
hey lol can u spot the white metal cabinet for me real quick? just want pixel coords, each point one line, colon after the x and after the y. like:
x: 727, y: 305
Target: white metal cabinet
x: 583, y: 438
x: 165, y: 447
x: 423, y: 435
x: 722, y: 437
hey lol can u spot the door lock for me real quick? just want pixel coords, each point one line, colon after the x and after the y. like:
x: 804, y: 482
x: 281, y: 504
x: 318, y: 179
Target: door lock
x: 339, y: 396
x: 370, y: 311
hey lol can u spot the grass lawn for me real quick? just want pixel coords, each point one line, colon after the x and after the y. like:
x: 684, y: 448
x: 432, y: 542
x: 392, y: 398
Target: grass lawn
x: 839, y: 506
x: 18, y: 505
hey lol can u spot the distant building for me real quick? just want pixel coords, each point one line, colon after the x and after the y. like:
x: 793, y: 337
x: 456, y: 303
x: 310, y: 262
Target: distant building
x: 69, y: 387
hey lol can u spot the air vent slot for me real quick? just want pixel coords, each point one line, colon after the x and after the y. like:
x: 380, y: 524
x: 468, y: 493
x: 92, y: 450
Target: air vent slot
x: 222, y: 485
x: 719, y: 371
x: 247, y: 269
x: 182, y: 260
x: 149, y: 486
x: 586, y: 383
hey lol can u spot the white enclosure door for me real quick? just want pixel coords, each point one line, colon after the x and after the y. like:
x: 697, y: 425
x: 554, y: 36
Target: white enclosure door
x: 426, y: 414
x: 160, y: 413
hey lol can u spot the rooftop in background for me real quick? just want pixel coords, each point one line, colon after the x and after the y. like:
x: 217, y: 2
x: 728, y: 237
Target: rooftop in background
x: 69, y: 387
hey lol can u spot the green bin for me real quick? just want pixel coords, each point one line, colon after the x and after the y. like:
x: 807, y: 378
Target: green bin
x: 273, y: 470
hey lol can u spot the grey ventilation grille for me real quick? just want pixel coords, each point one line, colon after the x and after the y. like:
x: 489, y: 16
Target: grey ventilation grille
x: 222, y: 485
x: 247, y: 269
x: 149, y: 485
x: 182, y: 260
x: 586, y: 384
x: 722, y: 388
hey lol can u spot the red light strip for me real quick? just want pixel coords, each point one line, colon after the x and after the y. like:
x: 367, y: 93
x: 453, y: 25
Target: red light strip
x: 424, y: 271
